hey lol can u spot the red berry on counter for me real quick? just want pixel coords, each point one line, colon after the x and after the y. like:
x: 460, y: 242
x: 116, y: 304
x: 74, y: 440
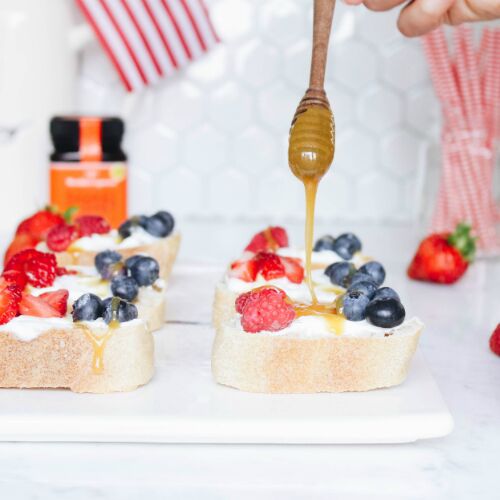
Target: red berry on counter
x: 10, y: 296
x: 265, y: 309
x: 91, y: 224
x: 443, y: 258
x: 271, y: 239
x: 495, y: 340
x: 38, y: 267
x: 58, y: 300
x: 39, y: 224
x: 60, y: 237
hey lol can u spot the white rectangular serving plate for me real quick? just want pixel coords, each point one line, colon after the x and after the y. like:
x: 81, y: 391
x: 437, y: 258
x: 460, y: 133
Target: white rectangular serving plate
x: 182, y: 404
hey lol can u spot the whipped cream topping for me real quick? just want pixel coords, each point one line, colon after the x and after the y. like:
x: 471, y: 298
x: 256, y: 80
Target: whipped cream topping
x: 88, y: 280
x: 99, y: 242
x: 316, y: 327
x: 299, y: 292
x: 28, y: 328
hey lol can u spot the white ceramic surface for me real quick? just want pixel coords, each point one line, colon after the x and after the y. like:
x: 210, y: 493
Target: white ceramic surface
x: 183, y: 405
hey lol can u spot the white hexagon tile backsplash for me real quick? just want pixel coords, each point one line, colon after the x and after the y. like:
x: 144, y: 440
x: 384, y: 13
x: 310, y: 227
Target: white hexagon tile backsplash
x: 211, y: 142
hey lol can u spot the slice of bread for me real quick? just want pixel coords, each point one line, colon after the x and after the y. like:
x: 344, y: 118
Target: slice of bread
x: 151, y: 307
x: 273, y: 363
x: 164, y: 250
x: 223, y: 308
x: 62, y: 357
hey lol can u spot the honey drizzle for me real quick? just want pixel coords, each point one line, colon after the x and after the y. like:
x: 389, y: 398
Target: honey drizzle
x: 310, y: 154
x: 99, y: 342
x: 334, y: 321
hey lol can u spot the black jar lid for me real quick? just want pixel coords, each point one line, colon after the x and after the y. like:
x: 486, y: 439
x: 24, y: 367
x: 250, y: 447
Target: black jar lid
x: 66, y: 138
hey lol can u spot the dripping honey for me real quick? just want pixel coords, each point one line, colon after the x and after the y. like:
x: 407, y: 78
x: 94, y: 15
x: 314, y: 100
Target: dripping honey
x: 334, y: 321
x: 99, y: 341
x: 310, y: 154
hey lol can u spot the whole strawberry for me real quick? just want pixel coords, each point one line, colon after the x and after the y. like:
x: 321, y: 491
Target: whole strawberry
x: 39, y: 224
x: 443, y: 257
x: 495, y: 341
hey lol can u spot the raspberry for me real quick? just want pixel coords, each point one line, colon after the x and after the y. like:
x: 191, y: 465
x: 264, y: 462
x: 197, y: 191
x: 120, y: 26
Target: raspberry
x: 269, y: 265
x: 265, y: 309
x: 240, y: 301
x: 38, y: 267
x: 495, y: 340
x: 14, y: 277
x: 60, y: 237
x: 91, y: 224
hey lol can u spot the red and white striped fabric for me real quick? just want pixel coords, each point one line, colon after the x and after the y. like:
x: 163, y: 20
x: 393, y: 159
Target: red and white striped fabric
x: 147, y: 40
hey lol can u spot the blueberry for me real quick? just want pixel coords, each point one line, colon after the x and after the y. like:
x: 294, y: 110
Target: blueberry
x: 124, y: 287
x: 168, y: 220
x: 125, y: 311
x: 324, y: 243
x: 145, y: 271
x: 340, y: 273
x: 357, y: 277
x: 125, y: 229
x: 386, y: 293
x: 354, y: 305
x: 368, y: 287
x: 385, y: 313
x: 160, y: 224
x: 88, y: 307
x: 375, y: 270
x: 131, y: 261
x: 346, y: 245
x: 108, y: 263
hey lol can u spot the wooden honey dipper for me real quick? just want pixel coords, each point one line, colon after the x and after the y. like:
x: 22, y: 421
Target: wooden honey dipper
x: 312, y: 134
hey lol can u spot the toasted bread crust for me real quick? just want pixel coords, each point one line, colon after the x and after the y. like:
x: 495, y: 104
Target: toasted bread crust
x: 164, y: 251
x: 62, y: 358
x: 223, y: 308
x: 281, y: 364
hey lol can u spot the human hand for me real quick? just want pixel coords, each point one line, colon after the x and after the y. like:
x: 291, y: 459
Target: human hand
x: 418, y: 17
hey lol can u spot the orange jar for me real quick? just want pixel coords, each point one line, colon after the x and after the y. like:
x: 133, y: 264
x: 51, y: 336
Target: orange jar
x: 88, y: 168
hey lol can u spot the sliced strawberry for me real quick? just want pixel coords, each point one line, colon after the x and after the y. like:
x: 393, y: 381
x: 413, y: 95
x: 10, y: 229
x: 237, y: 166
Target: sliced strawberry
x: 293, y: 269
x: 270, y: 239
x: 62, y: 271
x: 245, y: 270
x: 19, y: 243
x: 10, y: 296
x: 60, y: 237
x: 39, y: 224
x: 91, y: 224
x: 269, y: 265
x: 39, y: 267
x: 57, y: 299
x: 36, y: 306
x: 14, y: 277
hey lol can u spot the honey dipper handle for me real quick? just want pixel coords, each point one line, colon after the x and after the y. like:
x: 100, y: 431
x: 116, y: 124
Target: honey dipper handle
x: 323, y: 15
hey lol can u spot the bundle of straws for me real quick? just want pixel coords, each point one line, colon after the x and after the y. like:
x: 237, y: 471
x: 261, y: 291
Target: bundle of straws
x: 467, y: 83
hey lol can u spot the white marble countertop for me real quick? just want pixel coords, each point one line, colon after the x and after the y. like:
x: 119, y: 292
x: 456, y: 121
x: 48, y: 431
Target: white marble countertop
x: 462, y: 465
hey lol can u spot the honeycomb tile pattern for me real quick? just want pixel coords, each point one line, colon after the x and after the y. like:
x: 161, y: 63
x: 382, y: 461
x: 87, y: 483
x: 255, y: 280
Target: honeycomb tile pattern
x: 211, y: 142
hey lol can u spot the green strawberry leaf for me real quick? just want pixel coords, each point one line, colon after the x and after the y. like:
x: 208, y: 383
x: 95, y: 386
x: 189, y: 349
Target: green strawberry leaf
x: 463, y: 241
x: 69, y: 213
